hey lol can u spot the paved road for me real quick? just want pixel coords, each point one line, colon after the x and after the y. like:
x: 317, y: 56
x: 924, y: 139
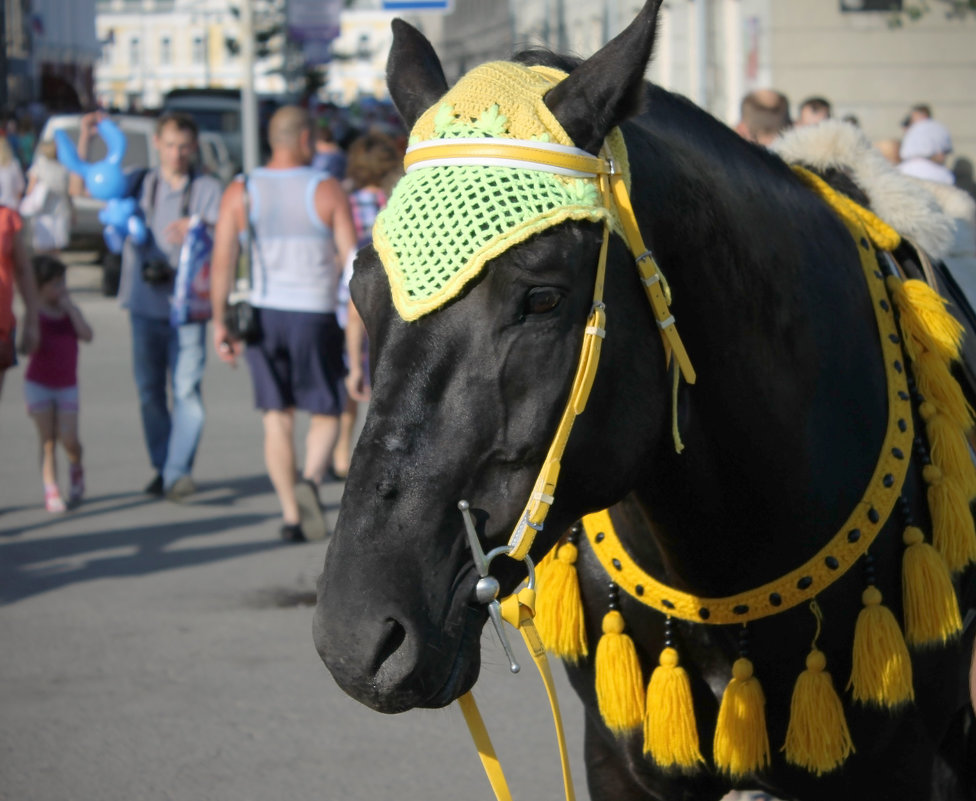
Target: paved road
x: 151, y: 651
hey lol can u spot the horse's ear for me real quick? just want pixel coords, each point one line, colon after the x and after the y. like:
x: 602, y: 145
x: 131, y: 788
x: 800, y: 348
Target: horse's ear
x: 413, y: 73
x: 606, y: 89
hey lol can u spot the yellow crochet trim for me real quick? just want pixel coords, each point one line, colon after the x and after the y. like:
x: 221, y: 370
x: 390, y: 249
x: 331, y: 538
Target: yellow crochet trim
x: 844, y: 548
x: 444, y: 223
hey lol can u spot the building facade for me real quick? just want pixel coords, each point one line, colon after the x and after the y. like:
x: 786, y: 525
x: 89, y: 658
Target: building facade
x: 358, y: 64
x: 715, y: 51
x: 50, y: 52
x: 150, y: 47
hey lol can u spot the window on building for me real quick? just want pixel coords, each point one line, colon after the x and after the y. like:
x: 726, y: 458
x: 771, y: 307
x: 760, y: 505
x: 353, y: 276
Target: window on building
x: 165, y: 51
x: 199, y: 54
x: 135, y: 52
x: 870, y: 5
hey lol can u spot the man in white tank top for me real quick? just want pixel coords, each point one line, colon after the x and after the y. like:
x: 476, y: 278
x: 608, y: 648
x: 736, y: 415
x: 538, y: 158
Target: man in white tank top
x: 301, y: 233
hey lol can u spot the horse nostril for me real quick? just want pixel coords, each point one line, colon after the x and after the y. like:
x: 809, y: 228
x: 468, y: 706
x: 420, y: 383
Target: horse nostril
x: 386, y: 489
x: 395, y: 636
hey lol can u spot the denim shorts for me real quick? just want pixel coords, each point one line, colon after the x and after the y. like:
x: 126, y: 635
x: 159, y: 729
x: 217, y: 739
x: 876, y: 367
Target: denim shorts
x: 298, y: 362
x: 40, y: 397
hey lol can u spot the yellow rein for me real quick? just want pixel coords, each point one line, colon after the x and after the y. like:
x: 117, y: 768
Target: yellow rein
x: 519, y: 609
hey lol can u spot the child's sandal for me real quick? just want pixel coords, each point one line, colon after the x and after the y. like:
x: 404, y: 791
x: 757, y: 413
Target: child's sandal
x: 52, y: 500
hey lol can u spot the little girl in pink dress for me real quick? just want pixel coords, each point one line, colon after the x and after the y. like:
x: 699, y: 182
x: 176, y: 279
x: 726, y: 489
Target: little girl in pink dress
x: 51, y: 380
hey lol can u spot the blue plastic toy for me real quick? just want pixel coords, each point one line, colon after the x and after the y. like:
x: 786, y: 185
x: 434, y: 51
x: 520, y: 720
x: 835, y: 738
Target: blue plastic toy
x: 105, y: 180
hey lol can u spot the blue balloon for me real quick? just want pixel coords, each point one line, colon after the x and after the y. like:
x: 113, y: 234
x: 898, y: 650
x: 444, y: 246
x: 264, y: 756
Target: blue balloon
x: 105, y: 180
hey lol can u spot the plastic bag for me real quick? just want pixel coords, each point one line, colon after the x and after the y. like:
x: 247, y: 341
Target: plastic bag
x: 191, y: 290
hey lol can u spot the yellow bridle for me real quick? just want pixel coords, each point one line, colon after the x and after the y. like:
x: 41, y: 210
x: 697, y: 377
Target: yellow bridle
x: 575, y: 162
x: 519, y: 609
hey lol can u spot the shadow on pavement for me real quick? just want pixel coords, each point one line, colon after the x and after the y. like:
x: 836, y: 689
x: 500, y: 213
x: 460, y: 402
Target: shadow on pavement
x: 228, y: 492
x: 33, y: 567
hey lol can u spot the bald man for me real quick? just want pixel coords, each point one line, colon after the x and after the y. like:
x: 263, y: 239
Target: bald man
x: 765, y: 114
x: 301, y: 233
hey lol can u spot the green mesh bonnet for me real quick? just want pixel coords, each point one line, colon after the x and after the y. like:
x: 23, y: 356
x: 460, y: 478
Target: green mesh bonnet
x: 443, y: 223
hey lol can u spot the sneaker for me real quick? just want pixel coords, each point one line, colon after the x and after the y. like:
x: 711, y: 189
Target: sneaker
x: 52, y: 499
x: 77, y: 485
x: 181, y: 489
x: 334, y: 476
x: 310, y: 516
x: 292, y: 533
x: 155, y: 487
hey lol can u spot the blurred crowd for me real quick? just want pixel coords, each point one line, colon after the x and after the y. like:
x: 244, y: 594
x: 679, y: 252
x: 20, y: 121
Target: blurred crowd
x: 302, y: 217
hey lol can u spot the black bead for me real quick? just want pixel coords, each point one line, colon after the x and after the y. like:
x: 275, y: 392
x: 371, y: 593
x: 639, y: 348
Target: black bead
x: 894, y: 338
x: 864, y: 244
x: 775, y: 598
x: 599, y: 537
x: 667, y: 604
x: 884, y: 305
x: 888, y: 480
x: 804, y: 583
x: 902, y: 425
x: 832, y: 562
x: 740, y: 609
x: 616, y: 564
x: 639, y: 589
x: 873, y: 515
x: 902, y: 394
x: 704, y: 614
x: 854, y: 535
x: 897, y: 453
x: 897, y: 365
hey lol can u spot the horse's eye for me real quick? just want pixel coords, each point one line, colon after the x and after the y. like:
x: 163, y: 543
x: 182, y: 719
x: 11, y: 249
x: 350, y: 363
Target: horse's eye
x: 541, y: 300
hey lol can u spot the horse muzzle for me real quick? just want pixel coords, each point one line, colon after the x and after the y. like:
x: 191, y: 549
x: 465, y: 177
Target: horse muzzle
x: 392, y: 656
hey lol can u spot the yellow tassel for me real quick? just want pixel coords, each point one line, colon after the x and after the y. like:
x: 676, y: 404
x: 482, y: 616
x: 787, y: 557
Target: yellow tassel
x: 817, y: 738
x: 741, y: 743
x: 938, y: 386
x: 881, y: 670
x: 953, y: 529
x: 619, y: 682
x: 949, y: 449
x: 915, y: 338
x: 670, y: 731
x: 931, y: 608
x: 559, y: 608
x: 929, y: 310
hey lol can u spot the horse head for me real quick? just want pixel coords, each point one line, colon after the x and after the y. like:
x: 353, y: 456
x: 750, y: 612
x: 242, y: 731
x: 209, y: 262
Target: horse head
x: 468, y: 390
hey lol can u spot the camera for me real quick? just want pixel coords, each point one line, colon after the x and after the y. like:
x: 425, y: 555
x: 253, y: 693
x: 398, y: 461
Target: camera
x: 243, y: 323
x: 157, y: 272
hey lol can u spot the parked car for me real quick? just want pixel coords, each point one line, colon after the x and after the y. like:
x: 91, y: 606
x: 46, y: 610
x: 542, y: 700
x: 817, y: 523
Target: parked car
x: 213, y: 158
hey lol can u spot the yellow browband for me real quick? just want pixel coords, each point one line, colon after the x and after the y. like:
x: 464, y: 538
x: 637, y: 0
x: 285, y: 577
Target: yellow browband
x: 567, y: 160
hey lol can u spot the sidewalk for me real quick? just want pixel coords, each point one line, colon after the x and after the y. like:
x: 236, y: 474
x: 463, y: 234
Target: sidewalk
x: 162, y: 652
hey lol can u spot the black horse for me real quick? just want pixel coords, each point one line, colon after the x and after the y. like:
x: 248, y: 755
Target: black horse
x: 781, y: 431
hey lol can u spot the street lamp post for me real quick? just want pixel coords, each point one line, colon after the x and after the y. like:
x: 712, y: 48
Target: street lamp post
x: 249, y: 102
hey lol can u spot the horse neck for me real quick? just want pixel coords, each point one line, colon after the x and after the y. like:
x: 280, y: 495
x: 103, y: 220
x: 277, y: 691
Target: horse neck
x: 786, y: 420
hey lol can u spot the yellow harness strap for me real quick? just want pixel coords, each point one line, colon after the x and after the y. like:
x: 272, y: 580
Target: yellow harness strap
x: 655, y: 286
x: 518, y: 610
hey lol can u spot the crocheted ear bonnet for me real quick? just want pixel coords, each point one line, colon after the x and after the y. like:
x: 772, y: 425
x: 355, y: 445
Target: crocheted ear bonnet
x: 444, y: 222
